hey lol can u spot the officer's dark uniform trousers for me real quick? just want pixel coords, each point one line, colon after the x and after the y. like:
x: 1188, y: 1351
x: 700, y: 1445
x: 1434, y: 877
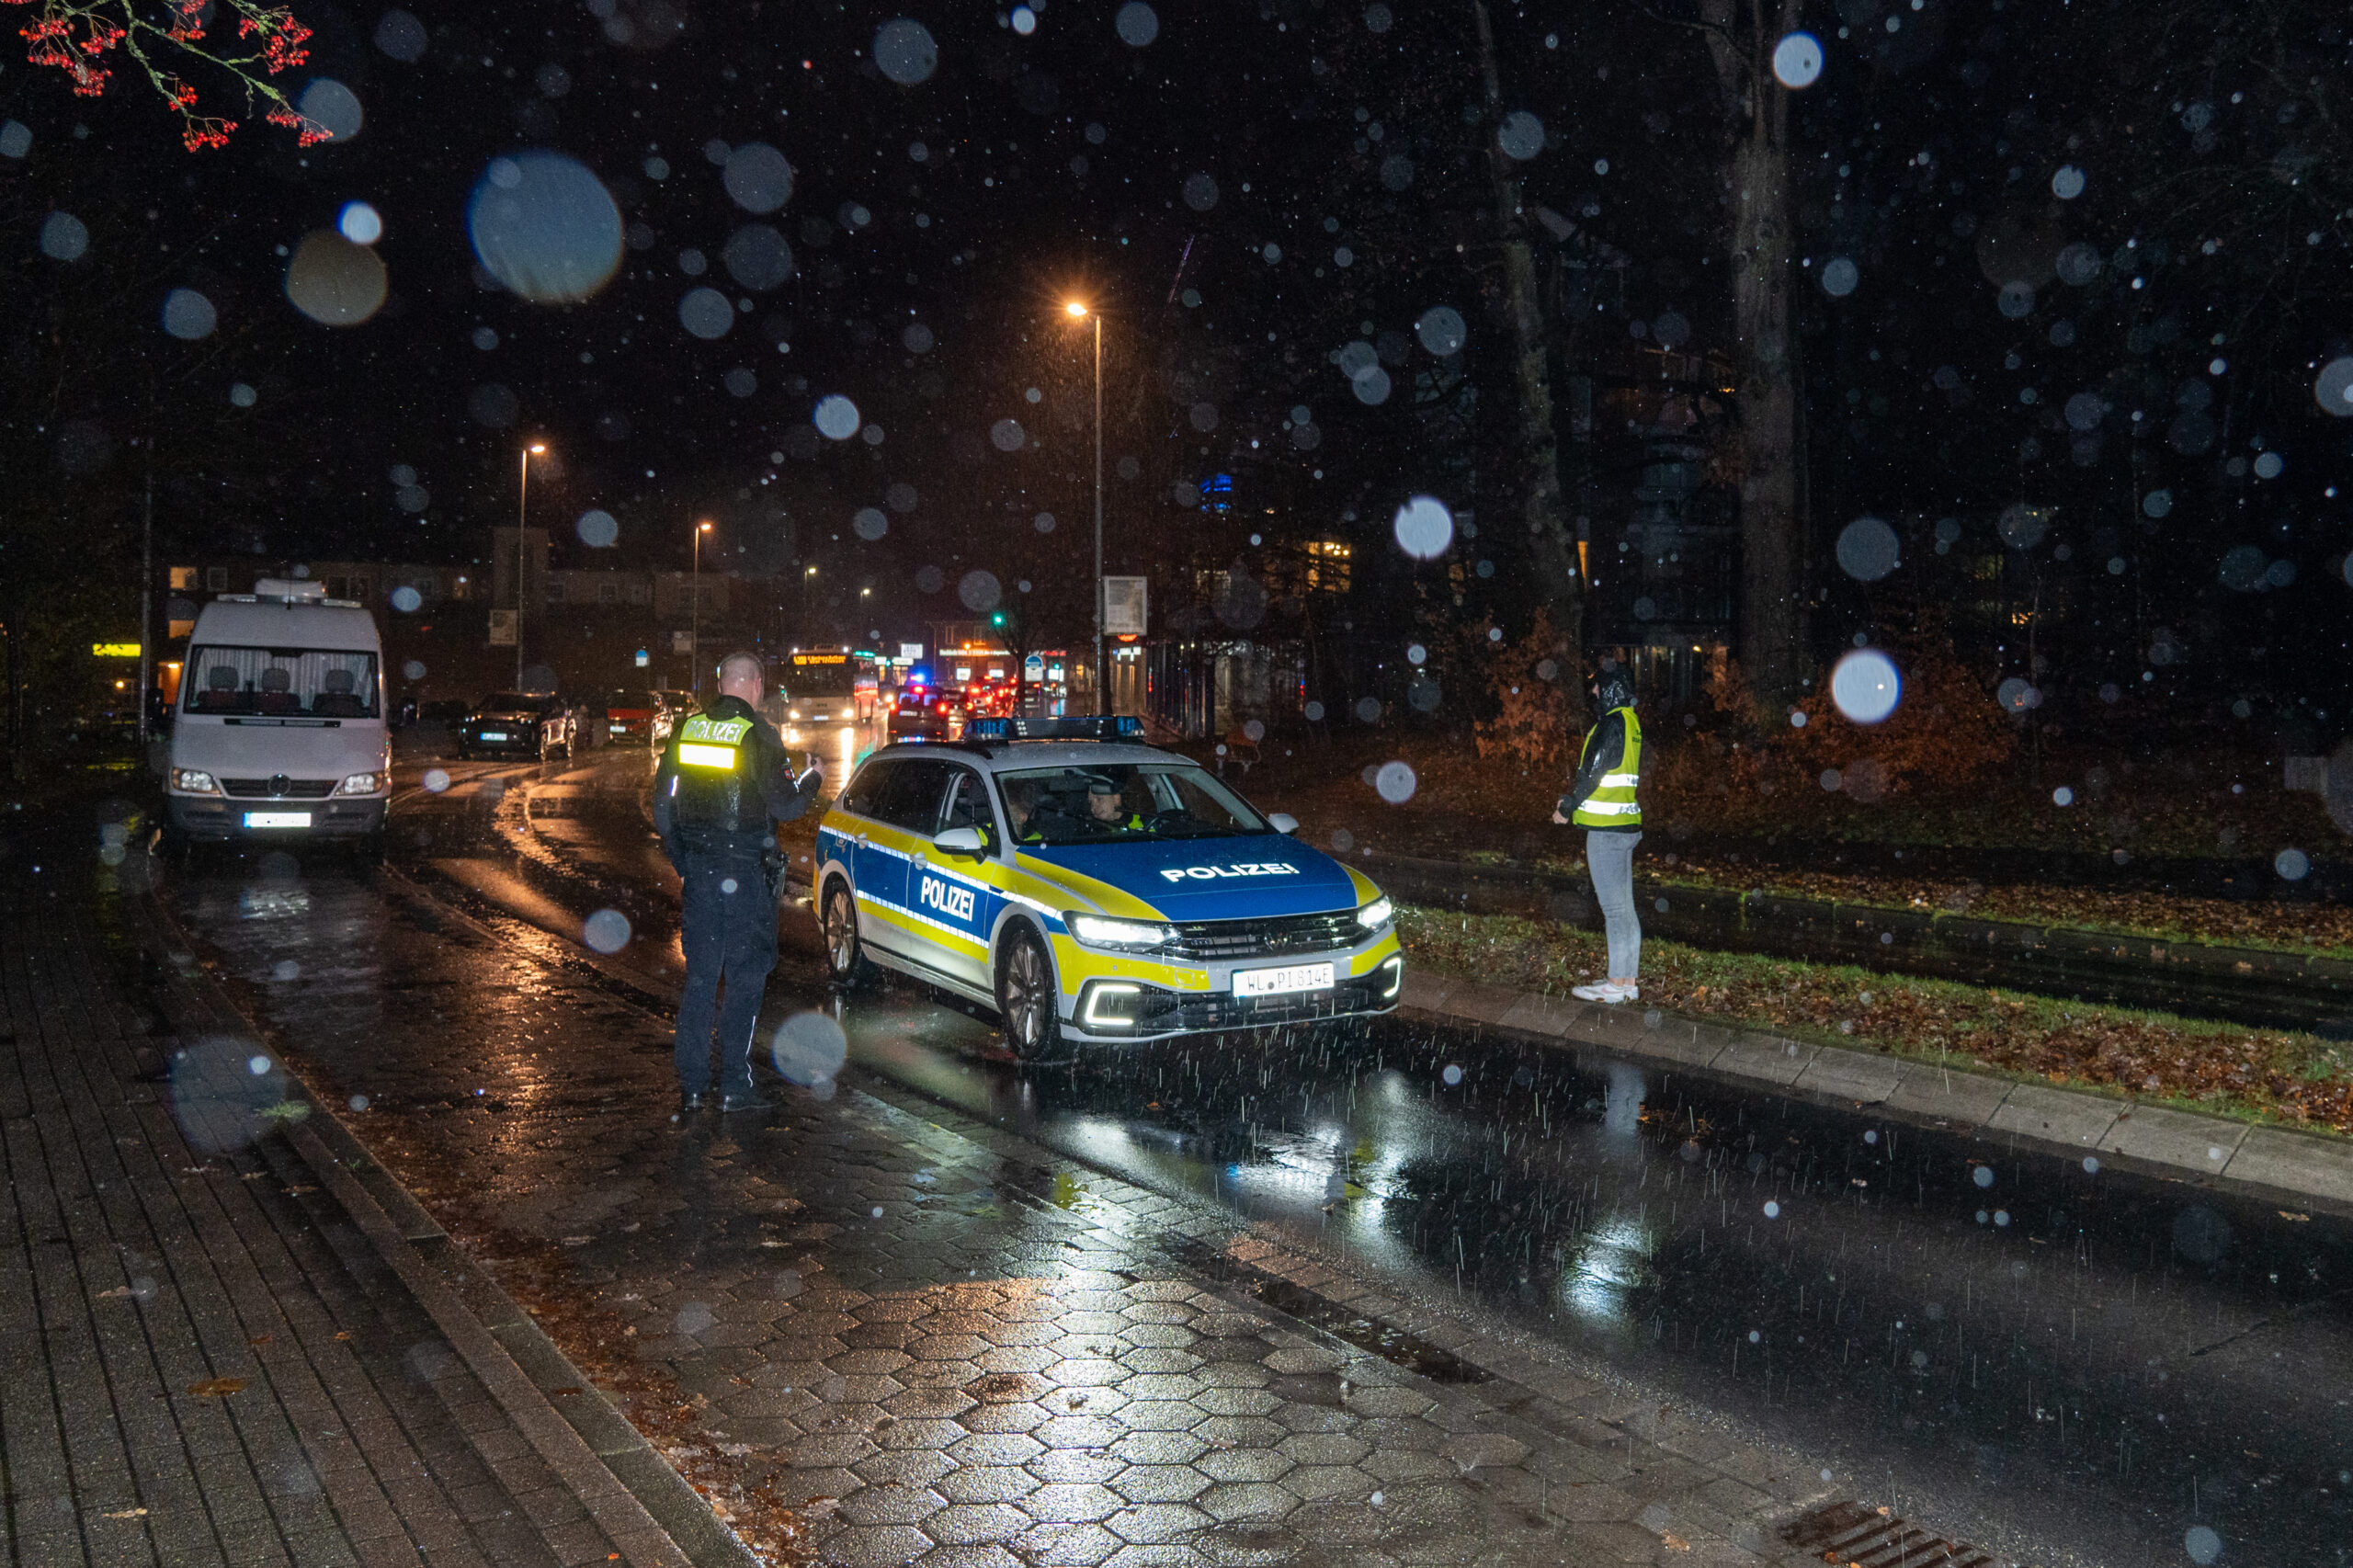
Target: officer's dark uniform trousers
x: 729, y: 934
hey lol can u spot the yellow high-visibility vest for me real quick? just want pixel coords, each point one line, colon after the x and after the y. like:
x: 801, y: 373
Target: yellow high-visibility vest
x: 1612, y: 802
x: 712, y: 744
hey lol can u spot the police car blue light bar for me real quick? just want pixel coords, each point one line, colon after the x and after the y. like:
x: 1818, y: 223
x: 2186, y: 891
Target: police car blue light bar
x: 1089, y: 727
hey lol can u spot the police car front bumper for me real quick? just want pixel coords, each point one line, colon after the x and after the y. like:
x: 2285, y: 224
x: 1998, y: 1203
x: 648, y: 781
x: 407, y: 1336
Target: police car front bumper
x: 1134, y: 1003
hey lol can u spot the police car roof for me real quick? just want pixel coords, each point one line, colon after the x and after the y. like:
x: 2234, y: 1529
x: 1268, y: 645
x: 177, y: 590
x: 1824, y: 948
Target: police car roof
x: 1007, y: 757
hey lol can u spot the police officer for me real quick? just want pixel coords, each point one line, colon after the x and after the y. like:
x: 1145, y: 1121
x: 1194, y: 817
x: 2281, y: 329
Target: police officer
x: 1601, y: 800
x: 724, y: 780
x: 1107, y: 810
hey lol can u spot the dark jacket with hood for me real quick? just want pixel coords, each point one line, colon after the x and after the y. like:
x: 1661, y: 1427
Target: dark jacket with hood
x: 1608, y: 749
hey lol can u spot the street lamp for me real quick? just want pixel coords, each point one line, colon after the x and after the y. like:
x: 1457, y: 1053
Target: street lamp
x: 1102, y: 694
x: 694, y: 635
x: 522, y: 513
x: 808, y: 590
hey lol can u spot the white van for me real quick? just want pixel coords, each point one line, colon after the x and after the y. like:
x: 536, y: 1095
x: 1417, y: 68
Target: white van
x: 280, y: 735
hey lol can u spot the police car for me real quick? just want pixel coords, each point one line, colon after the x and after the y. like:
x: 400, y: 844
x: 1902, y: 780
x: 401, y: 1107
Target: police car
x: 1092, y: 889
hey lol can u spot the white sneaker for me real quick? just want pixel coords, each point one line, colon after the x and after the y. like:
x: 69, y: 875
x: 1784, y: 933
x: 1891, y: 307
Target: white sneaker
x: 1615, y: 992
x: 1595, y: 993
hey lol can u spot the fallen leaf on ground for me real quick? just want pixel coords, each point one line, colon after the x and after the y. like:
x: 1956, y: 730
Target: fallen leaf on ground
x: 215, y: 1388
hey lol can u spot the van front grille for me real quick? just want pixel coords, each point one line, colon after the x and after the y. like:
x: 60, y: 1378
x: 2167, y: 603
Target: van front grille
x: 287, y: 789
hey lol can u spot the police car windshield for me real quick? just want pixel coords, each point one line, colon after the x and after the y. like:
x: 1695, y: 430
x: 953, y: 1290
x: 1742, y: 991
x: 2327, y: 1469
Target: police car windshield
x: 1121, y: 802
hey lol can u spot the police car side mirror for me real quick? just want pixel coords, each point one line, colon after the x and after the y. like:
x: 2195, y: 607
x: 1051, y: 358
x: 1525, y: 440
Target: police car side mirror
x: 961, y: 841
x: 1282, y: 821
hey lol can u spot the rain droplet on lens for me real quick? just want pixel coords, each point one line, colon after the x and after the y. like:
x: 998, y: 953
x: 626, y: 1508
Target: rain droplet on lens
x: 1521, y: 135
x: 836, y: 417
x: 188, y: 315
x: 1137, y: 24
x: 705, y: 312
x: 1867, y: 550
x: 544, y: 227
x: 1424, y: 527
x: 905, y: 52
x: 757, y: 177
x: 607, y: 931
x: 1797, y: 61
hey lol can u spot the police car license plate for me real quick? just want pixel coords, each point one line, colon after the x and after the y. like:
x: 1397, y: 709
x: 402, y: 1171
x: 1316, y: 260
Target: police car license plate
x: 493, y: 735
x: 1282, y: 981
x: 277, y: 819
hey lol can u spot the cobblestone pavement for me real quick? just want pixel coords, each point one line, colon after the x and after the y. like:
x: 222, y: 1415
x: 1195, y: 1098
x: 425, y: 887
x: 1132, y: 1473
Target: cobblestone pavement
x: 937, y: 1341
x: 201, y: 1360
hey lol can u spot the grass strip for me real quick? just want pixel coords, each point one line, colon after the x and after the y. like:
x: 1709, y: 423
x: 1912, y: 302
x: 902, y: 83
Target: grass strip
x: 2265, y: 1075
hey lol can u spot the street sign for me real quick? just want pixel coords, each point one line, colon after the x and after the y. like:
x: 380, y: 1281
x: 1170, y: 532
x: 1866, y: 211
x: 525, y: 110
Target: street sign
x: 1125, y: 606
x: 1033, y: 668
x: 502, y: 629
x: 642, y: 660
x: 682, y: 641
x: 911, y: 652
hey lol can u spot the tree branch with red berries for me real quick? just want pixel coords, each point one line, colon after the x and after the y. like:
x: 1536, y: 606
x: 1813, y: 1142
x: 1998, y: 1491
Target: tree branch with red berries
x: 248, y: 43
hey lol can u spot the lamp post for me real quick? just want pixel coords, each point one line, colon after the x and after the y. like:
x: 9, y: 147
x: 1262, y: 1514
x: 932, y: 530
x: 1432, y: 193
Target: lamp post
x: 694, y: 633
x: 1102, y: 694
x: 808, y: 591
x: 522, y: 513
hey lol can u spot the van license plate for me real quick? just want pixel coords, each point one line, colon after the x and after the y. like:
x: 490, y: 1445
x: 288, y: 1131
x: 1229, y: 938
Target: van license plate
x: 277, y: 819
x: 493, y: 735
x: 1282, y: 981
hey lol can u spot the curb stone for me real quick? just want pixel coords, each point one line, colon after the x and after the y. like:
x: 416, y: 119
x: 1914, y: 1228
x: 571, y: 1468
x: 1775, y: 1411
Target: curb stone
x: 2269, y: 1164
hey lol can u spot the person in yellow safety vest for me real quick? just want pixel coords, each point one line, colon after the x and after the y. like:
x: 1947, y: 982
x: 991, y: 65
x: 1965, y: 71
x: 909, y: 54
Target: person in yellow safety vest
x: 1601, y: 800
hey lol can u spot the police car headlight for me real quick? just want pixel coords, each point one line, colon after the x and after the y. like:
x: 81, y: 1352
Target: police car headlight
x: 1376, y: 915
x: 194, y: 782
x: 360, y: 784
x: 1097, y: 932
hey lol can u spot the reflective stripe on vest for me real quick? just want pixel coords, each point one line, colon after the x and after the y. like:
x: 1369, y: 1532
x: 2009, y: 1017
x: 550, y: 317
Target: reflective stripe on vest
x: 706, y: 741
x: 1612, y: 802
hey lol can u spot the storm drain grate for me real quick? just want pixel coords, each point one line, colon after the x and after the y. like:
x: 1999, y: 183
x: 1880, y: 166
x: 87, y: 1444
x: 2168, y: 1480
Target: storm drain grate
x: 1847, y: 1533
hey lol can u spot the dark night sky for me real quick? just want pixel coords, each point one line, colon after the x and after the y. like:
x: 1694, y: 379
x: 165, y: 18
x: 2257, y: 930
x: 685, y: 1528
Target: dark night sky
x: 1058, y: 161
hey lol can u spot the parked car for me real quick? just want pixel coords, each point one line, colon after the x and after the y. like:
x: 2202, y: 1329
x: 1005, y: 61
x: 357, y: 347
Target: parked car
x: 675, y: 706
x: 516, y: 723
x: 630, y: 715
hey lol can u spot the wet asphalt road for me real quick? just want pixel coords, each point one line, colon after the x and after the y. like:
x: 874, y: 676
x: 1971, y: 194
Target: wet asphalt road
x: 2057, y: 1363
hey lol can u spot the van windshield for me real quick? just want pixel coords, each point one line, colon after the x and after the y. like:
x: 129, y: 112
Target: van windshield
x: 316, y: 683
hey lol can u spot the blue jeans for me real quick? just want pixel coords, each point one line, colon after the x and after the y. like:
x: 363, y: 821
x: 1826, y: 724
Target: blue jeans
x: 730, y: 938
x: 1610, y: 860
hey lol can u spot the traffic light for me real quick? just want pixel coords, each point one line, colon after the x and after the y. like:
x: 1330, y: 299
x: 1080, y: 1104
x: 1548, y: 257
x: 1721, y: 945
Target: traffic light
x: 997, y: 619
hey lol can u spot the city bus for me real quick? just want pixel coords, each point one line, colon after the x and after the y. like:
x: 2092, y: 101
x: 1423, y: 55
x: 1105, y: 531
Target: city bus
x: 828, y: 686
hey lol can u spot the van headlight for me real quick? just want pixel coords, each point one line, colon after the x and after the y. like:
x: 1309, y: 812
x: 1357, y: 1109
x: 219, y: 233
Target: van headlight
x: 194, y: 782
x: 360, y: 784
x: 1096, y: 931
x: 1376, y: 916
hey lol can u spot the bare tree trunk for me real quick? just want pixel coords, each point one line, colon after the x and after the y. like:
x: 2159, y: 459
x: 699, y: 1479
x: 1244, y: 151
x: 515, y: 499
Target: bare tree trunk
x: 1552, y: 542
x: 1773, y: 543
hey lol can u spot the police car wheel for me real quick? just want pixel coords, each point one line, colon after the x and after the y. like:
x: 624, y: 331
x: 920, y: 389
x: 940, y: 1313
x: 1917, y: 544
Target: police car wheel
x: 1025, y: 995
x: 846, y: 959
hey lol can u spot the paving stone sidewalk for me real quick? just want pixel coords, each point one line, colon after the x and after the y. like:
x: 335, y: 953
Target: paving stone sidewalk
x: 202, y: 1360
x: 942, y: 1344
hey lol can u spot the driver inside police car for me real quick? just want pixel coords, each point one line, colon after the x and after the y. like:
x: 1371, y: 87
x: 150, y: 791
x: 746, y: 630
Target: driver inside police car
x: 1106, y: 808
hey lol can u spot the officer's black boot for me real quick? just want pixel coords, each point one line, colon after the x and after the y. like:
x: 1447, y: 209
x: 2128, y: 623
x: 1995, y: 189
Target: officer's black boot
x: 689, y: 1102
